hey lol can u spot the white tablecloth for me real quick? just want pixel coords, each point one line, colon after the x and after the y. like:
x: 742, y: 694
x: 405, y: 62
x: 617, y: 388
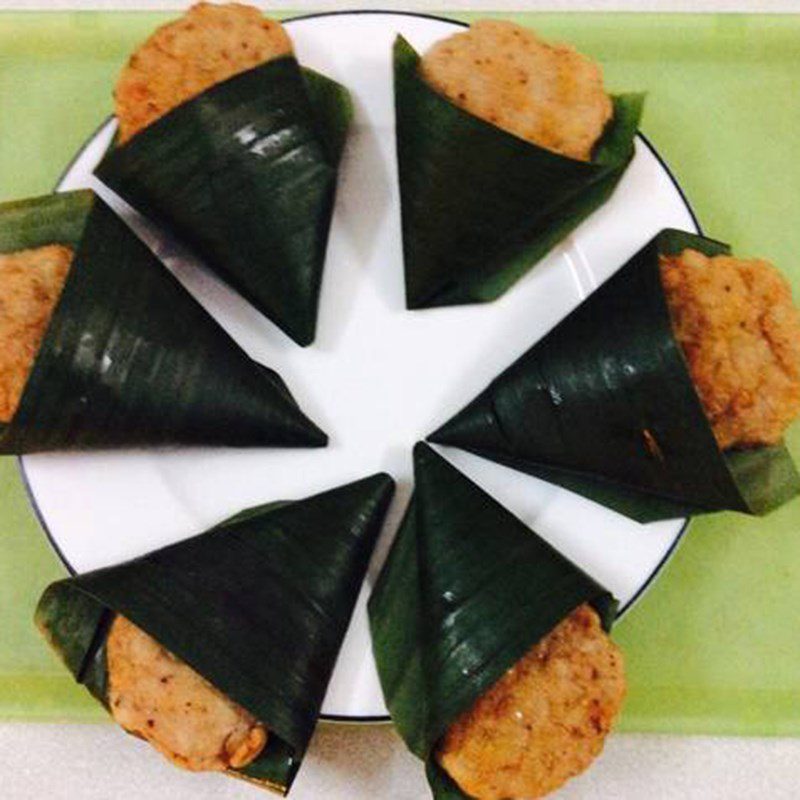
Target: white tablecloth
x: 100, y: 762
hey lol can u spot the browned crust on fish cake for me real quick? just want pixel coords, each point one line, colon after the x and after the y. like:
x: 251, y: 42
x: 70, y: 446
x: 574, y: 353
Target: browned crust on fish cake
x: 548, y: 94
x: 207, y: 45
x: 740, y: 332
x: 30, y: 285
x: 155, y: 695
x: 545, y: 720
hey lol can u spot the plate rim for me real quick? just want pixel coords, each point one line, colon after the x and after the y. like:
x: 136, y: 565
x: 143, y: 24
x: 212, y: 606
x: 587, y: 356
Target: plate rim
x: 679, y: 536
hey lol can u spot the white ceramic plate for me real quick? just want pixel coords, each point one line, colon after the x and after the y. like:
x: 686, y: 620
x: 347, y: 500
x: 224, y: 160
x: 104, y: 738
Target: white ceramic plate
x: 378, y: 378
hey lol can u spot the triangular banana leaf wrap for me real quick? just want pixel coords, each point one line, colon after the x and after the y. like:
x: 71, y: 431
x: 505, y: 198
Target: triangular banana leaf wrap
x: 466, y: 591
x: 605, y: 405
x: 480, y: 206
x: 245, y: 173
x: 258, y: 605
x: 130, y: 358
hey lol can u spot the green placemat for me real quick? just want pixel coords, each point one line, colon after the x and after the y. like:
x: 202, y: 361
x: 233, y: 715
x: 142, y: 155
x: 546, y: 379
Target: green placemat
x: 714, y: 647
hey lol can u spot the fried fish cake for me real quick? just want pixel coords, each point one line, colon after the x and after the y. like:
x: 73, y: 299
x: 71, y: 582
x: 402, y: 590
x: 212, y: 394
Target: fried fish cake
x: 548, y: 94
x: 157, y: 696
x: 545, y: 720
x: 30, y: 285
x: 207, y: 45
x: 740, y: 332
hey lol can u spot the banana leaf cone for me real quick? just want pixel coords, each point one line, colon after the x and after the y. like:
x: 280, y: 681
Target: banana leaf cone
x: 466, y: 591
x: 480, y: 206
x: 245, y: 173
x: 605, y: 405
x: 258, y: 606
x: 130, y: 358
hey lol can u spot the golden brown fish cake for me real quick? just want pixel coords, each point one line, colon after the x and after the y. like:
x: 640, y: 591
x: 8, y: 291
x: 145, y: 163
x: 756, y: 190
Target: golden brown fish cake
x: 207, y: 45
x: 162, y: 699
x: 548, y: 94
x: 740, y: 333
x: 30, y: 285
x: 545, y: 720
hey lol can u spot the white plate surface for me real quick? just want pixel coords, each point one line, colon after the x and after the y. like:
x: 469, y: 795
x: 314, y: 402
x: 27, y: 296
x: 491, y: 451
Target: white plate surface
x: 378, y: 378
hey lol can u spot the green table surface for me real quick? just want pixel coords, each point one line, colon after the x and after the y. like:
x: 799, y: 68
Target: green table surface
x: 714, y: 646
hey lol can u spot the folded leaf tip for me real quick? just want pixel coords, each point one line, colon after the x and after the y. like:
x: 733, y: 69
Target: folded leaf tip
x: 381, y: 485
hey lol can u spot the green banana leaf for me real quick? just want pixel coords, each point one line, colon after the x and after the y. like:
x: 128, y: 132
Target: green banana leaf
x: 480, y: 206
x: 245, y: 173
x: 130, y: 358
x: 258, y: 605
x: 466, y: 591
x: 604, y: 405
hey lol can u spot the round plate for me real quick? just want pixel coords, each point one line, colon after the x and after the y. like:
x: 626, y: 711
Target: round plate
x: 378, y: 378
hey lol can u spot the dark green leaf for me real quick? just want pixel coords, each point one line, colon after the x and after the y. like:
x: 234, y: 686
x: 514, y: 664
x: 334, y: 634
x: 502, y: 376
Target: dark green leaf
x: 61, y: 218
x: 443, y: 787
x: 480, y: 206
x: 604, y: 405
x: 333, y: 112
x: 75, y: 625
x: 130, y: 358
x: 258, y: 605
x: 396, y: 619
x: 245, y: 173
x: 466, y: 591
